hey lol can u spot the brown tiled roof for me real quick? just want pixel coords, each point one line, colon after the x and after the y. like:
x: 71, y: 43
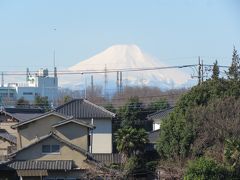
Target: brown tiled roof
x: 41, y: 165
x: 83, y: 109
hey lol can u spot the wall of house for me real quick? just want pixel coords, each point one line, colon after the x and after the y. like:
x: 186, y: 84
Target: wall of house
x: 31, y: 132
x: 66, y: 153
x: 3, y: 147
x: 102, y: 136
x: 74, y: 133
x: 7, y: 127
x: 156, y: 126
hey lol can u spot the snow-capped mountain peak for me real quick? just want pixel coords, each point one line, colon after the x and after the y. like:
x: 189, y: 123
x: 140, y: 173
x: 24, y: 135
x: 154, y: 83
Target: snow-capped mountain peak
x: 130, y: 57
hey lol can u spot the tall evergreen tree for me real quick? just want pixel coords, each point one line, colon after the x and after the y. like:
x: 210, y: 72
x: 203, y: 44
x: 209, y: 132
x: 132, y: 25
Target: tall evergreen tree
x: 215, y: 74
x: 234, y: 69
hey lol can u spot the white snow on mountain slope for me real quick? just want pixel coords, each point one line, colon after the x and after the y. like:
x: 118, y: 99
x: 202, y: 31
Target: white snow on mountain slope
x: 127, y: 57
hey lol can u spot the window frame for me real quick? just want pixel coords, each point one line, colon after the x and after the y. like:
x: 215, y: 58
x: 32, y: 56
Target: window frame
x: 51, y: 149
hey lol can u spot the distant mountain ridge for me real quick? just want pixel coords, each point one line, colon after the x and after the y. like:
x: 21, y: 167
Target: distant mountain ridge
x: 128, y: 57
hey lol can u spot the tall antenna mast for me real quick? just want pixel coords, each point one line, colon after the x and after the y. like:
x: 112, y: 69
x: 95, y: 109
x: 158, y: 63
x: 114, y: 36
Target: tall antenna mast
x: 2, y: 84
x: 92, y: 86
x: 54, y: 56
x: 121, y: 84
x: 105, y: 80
x: 117, y: 81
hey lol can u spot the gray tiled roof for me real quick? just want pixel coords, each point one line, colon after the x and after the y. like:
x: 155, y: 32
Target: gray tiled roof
x: 21, y: 116
x: 41, y: 165
x: 25, y: 116
x: 160, y: 114
x: 83, y: 109
x: 153, y: 136
x: 78, y: 121
x: 40, y: 117
x: 5, y: 135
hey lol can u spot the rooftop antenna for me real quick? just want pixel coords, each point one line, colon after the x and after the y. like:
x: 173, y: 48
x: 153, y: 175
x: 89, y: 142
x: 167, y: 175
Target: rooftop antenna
x: 27, y: 74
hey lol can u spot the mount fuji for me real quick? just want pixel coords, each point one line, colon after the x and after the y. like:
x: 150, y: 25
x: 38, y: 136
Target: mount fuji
x: 122, y: 57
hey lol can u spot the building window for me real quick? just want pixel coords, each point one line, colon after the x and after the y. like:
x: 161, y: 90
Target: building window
x: 27, y: 93
x: 55, y: 149
x: 46, y: 148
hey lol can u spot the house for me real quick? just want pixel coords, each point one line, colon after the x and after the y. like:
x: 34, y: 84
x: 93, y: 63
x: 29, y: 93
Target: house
x: 158, y: 116
x: 8, y: 118
x: 52, y: 146
x: 7, y: 144
x: 92, y: 113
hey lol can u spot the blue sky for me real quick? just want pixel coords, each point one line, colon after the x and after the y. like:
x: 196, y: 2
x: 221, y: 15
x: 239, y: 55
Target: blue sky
x: 172, y: 30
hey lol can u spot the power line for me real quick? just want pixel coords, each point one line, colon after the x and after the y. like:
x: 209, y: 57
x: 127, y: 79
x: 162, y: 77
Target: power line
x: 66, y: 72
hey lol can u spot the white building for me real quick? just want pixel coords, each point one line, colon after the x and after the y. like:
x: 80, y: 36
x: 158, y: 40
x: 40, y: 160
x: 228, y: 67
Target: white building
x: 39, y: 84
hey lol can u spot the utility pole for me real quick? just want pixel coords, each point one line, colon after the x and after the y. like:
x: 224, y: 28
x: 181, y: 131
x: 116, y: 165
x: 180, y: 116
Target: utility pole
x: 117, y: 81
x: 199, y: 71
x: 202, y: 71
x: 92, y: 84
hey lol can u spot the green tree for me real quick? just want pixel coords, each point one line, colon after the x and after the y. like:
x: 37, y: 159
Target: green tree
x: 131, y: 114
x: 215, y: 74
x: 22, y: 102
x: 110, y: 107
x: 232, y: 153
x: 67, y: 98
x: 180, y: 130
x: 130, y: 141
x: 234, y: 69
x: 204, y: 169
x: 158, y: 104
x: 42, y: 102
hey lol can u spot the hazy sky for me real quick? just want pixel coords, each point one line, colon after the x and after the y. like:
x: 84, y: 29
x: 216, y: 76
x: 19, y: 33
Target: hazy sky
x: 172, y: 30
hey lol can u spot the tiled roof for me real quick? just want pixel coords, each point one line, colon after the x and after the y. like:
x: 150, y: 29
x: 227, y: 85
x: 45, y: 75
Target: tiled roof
x: 25, y: 116
x: 5, y: 135
x: 160, y: 114
x: 83, y: 109
x: 24, y: 110
x: 39, y: 117
x: 78, y: 121
x: 41, y: 165
x: 21, y: 115
x: 153, y: 136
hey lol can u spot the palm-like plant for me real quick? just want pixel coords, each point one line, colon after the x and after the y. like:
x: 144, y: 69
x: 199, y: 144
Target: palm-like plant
x: 130, y: 141
x: 232, y: 152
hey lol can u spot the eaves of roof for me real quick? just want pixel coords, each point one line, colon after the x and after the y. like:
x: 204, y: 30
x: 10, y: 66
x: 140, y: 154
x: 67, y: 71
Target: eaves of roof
x: 77, y: 121
x: 9, y: 114
x: 160, y: 114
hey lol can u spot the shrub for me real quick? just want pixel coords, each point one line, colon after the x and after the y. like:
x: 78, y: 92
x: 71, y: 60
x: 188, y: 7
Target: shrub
x: 204, y: 169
